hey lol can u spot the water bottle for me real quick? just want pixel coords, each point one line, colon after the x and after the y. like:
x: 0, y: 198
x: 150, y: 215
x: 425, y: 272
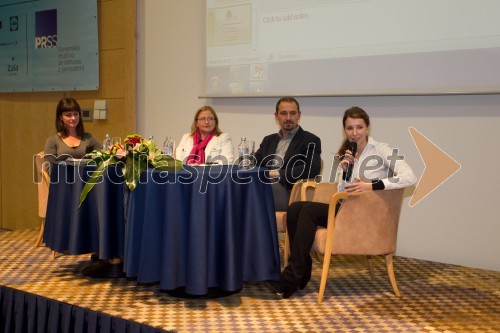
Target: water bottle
x: 107, y: 144
x: 243, y: 154
x: 168, y: 147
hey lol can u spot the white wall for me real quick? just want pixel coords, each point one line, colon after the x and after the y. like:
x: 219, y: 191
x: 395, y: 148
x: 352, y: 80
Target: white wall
x: 457, y: 223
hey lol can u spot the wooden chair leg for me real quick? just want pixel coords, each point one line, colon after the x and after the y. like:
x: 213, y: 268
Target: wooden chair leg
x: 318, y: 255
x: 324, y: 274
x: 370, y: 266
x: 330, y: 231
x: 326, y: 263
x: 390, y: 272
x: 40, y: 234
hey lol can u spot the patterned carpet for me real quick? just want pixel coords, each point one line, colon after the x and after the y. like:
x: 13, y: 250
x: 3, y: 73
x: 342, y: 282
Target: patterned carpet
x: 435, y: 297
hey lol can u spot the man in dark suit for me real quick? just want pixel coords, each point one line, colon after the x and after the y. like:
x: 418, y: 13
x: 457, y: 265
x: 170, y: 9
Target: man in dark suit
x: 292, y: 153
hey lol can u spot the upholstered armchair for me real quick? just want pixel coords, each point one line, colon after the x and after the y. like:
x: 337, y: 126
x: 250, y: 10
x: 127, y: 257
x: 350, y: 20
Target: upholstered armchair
x: 42, y: 178
x: 366, y: 224
x: 281, y: 220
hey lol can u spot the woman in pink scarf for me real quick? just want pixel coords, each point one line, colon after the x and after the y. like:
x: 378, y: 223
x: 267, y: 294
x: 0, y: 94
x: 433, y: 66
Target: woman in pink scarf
x: 205, y: 143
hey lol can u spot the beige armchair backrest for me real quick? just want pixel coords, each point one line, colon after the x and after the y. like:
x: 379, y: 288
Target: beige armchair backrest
x: 366, y: 224
x: 317, y: 192
x: 42, y: 179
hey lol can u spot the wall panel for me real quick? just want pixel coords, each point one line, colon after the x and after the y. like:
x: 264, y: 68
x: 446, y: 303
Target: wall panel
x: 27, y: 119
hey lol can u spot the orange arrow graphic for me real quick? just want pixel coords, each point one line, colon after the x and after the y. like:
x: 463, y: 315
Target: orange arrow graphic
x: 439, y: 166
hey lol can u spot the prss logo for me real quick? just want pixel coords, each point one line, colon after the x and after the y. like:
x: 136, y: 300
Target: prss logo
x: 46, y: 29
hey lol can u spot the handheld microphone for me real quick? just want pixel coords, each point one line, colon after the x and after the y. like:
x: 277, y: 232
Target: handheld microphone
x: 353, y: 146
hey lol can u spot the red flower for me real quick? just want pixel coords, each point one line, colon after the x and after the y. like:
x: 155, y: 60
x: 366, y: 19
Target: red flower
x: 133, y: 139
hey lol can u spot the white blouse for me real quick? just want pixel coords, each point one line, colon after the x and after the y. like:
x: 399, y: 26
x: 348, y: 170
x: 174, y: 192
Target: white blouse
x: 377, y: 162
x: 219, y: 150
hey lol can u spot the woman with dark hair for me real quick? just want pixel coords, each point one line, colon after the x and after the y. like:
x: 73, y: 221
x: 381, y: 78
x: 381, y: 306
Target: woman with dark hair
x: 71, y: 140
x: 205, y: 143
x: 374, y: 168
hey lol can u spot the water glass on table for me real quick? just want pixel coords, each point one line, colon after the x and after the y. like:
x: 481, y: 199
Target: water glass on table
x: 169, y: 146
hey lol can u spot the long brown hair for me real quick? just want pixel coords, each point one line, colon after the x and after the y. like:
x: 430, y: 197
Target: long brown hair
x: 217, y: 130
x: 354, y: 112
x: 64, y: 105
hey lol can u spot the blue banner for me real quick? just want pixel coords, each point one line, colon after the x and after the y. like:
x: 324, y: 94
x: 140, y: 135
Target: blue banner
x: 48, y: 45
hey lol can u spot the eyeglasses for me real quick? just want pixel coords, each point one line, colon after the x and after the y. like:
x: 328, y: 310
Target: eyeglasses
x: 210, y: 119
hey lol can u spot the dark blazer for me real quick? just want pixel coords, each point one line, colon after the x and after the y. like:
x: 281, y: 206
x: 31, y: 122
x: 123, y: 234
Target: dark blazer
x: 302, y: 159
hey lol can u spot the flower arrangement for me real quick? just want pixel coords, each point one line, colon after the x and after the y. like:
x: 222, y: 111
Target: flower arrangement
x: 134, y: 157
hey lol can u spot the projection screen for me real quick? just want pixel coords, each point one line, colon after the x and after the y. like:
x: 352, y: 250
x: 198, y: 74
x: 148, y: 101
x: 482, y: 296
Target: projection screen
x: 352, y: 47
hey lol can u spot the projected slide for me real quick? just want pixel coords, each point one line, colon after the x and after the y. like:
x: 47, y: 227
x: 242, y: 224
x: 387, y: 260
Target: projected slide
x: 48, y: 45
x: 266, y: 47
x: 230, y: 26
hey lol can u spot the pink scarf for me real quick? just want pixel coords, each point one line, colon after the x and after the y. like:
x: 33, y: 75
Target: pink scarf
x: 197, y: 154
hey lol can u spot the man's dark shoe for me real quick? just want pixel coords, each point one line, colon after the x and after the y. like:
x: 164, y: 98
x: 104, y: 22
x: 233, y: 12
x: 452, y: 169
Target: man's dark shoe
x: 104, y: 270
x: 288, y: 288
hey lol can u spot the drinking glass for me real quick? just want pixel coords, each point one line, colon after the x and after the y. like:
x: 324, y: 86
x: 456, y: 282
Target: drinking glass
x: 251, y: 153
x: 169, y: 146
x: 251, y: 147
x: 116, y: 140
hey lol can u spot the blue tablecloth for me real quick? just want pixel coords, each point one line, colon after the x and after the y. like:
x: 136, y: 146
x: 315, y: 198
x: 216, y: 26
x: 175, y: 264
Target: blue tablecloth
x: 197, y: 228
x: 99, y: 224
x: 202, y: 227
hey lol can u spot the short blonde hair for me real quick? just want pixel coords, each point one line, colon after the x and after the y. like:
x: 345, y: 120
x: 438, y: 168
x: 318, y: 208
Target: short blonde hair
x: 194, y: 128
